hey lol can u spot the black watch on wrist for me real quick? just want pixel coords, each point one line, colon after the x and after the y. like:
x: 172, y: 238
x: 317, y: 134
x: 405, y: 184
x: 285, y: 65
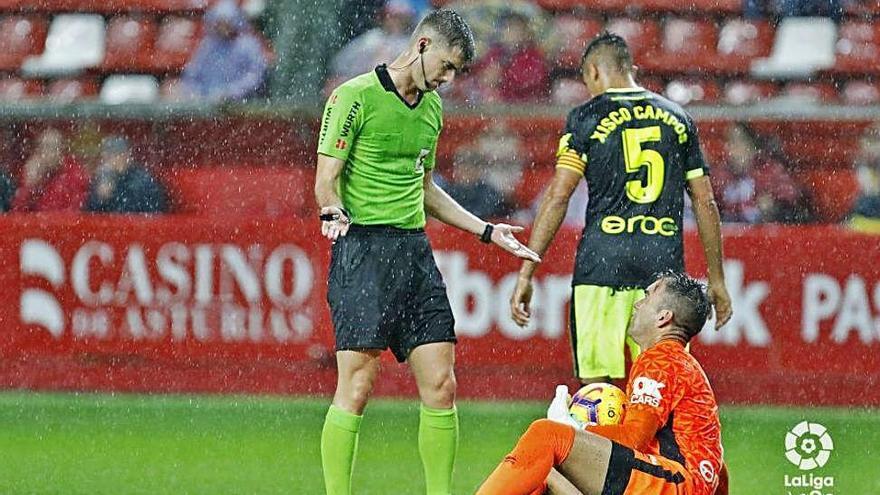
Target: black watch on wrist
x: 487, y: 233
x: 329, y: 217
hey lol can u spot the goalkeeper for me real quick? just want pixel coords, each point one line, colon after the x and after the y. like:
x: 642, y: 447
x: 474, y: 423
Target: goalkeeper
x: 670, y: 440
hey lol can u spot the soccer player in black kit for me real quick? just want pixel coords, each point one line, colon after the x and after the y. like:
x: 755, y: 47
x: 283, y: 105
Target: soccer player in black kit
x: 639, y: 153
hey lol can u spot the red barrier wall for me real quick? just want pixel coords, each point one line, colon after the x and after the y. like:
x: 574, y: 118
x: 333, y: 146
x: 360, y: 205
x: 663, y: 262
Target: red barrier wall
x: 212, y: 304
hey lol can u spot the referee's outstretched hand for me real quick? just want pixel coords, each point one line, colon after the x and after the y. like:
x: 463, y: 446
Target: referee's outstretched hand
x: 336, y: 228
x: 502, y: 235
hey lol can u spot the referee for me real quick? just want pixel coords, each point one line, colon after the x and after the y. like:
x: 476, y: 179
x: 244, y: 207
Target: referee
x: 638, y: 153
x: 374, y: 184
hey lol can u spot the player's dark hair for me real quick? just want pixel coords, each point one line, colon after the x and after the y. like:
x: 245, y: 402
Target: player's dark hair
x: 687, y: 300
x: 454, y: 30
x: 612, y: 46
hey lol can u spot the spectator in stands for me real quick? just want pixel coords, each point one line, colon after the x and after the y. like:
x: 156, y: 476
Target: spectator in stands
x: 756, y: 9
x: 752, y: 186
x: 514, y: 69
x: 470, y: 187
x: 866, y: 212
x: 121, y: 185
x: 51, y: 180
x: 229, y: 63
x: 376, y: 46
x: 504, y: 154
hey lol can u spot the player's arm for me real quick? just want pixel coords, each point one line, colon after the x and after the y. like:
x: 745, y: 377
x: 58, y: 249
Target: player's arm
x: 340, y: 125
x: 441, y: 206
x: 709, y: 227
x: 699, y: 188
x: 570, y: 166
x: 639, y: 427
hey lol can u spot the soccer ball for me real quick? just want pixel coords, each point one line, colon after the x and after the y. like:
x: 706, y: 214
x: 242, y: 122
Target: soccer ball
x: 597, y: 404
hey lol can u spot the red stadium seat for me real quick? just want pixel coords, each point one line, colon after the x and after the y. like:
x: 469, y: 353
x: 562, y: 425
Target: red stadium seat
x: 177, y: 39
x: 595, y: 5
x: 571, y: 35
x: 858, y: 48
x: 708, y: 6
x: 740, y: 41
x: 864, y: 8
x: 860, y: 93
x: 643, y: 36
x: 654, y: 84
x: 172, y: 89
x: 20, y: 37
x: 69, y: 90
x: 693, y: 91
x: 812, y: 92
x: 130, y: 42
x: 748, y: 92
x: 108, y: 7
x: 687, y: 46
x: 15, y: 89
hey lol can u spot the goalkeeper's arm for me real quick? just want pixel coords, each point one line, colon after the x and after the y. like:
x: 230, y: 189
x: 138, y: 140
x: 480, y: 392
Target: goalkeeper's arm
x: 637, y: 430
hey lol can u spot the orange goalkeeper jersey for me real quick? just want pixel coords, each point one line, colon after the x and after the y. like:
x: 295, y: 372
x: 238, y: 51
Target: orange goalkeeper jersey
x: 670, y: 385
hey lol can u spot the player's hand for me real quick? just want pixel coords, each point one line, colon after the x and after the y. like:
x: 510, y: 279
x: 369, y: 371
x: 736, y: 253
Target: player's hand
x: 502, y: 235
x: 336, y: 228
x: 720, y: 300
x: 520, y: 300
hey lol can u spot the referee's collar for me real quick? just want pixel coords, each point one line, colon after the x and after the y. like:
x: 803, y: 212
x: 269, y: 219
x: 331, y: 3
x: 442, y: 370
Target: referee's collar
x: 388, y: 84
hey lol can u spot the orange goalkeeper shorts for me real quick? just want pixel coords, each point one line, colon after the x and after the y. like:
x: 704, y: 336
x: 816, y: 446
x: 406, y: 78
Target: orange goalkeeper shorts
x: 634, y: 473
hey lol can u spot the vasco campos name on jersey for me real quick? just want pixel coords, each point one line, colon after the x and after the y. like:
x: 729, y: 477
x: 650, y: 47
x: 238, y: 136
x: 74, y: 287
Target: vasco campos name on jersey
x: 615, y: 225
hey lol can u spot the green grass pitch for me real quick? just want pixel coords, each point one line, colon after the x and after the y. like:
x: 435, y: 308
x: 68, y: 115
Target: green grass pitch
x: 139, y: 444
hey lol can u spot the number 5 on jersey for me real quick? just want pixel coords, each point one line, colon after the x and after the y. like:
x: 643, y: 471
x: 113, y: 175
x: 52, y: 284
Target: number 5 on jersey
x: 635, y: 158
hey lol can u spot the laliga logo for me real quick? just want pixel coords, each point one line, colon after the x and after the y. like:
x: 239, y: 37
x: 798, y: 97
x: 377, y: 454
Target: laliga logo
x: 808, y: 445
x: 39, y: 307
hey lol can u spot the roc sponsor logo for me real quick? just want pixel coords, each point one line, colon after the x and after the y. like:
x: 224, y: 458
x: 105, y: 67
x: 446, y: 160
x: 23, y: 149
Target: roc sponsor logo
x: 645, y: 224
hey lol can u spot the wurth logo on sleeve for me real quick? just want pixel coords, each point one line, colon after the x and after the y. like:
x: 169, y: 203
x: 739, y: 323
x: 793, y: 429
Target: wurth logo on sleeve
x: 341, y: 144
x: 646, y: 391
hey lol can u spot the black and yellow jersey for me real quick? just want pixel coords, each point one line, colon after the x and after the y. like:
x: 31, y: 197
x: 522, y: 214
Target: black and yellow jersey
x: 636, y: 150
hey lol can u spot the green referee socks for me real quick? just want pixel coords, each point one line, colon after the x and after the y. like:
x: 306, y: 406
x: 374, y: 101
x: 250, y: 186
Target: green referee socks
x: 438, y: 442
x: 339, y: 441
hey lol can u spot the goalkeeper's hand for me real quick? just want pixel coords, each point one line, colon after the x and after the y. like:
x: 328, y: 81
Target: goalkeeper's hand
x: 558, y: 410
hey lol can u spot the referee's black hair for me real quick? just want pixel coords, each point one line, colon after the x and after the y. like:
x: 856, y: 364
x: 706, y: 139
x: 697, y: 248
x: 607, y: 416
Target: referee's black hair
x: 688, y: 301
x: 454, y: 30
x: 612, y: 45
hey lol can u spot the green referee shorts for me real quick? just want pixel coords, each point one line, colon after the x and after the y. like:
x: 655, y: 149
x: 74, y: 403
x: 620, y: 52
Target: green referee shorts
x: 599, y: 321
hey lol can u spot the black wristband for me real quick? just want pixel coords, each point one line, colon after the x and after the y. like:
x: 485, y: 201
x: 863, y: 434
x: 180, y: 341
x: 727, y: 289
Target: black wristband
x: 329, y: 217
x: 487, y: 233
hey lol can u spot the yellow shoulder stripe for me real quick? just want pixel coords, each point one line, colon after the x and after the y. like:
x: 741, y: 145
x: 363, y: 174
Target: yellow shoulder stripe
x: 693, y: 174
x: 570, y: 159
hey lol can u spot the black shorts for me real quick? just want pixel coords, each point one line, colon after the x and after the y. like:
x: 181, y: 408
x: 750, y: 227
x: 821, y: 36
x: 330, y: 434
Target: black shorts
x: 385, y: 291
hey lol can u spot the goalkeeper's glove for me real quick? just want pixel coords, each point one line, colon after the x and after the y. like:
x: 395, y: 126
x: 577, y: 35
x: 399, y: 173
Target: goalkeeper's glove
x: 558, y: 410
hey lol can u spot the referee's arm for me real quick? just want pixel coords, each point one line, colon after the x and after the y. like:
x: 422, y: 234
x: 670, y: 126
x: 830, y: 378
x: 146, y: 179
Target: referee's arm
x: 441, y: 206
x: 326, y: 195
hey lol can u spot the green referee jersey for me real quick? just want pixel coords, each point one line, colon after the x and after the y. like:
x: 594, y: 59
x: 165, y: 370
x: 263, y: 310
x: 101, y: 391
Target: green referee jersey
x: 386, y: 143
